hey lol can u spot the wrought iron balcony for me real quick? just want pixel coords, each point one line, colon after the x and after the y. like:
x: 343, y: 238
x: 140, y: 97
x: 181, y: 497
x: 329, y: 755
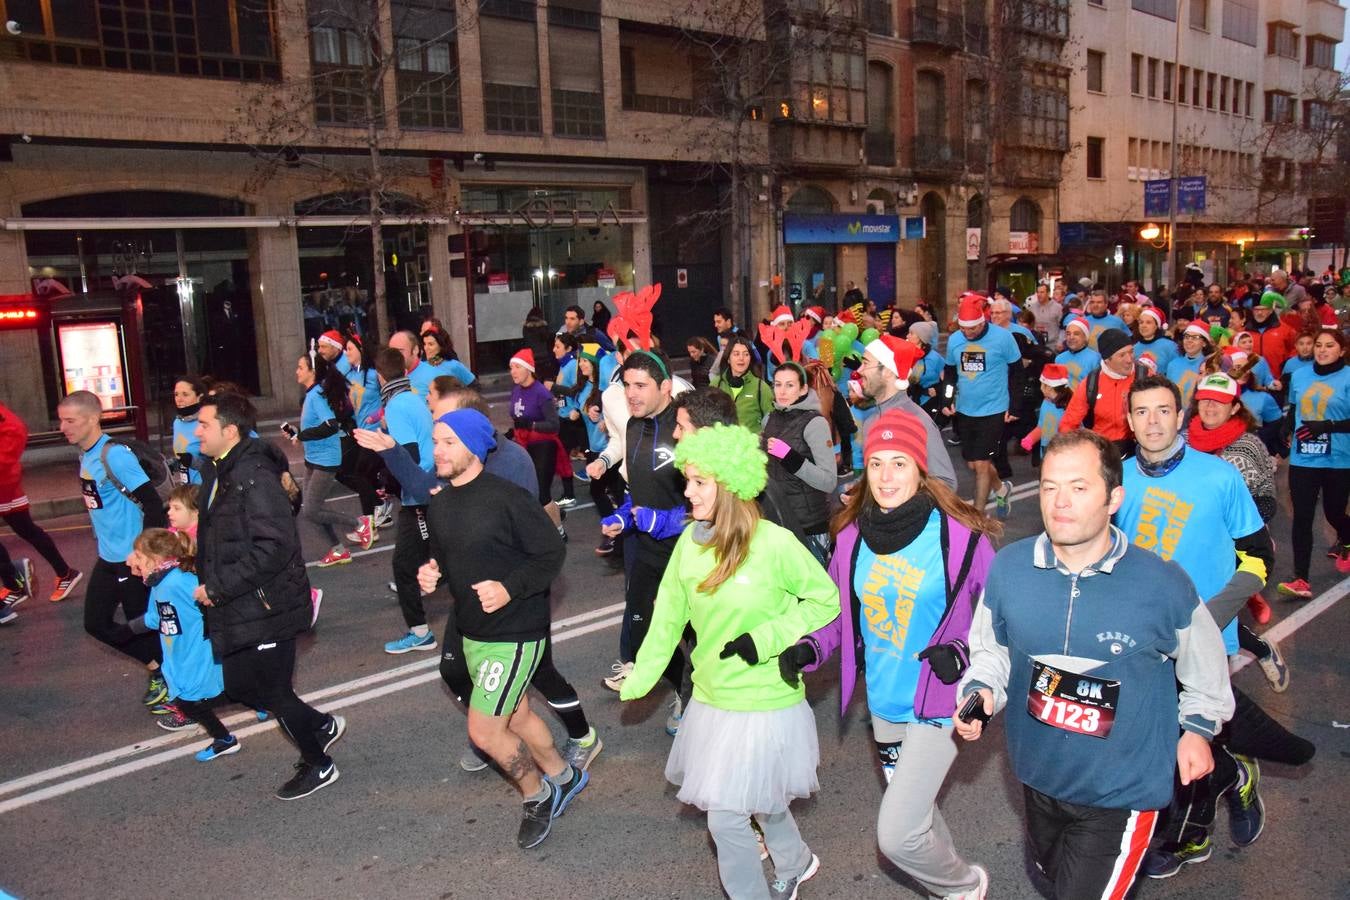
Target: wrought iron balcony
x: 928, y: 26
x: 935, y: 154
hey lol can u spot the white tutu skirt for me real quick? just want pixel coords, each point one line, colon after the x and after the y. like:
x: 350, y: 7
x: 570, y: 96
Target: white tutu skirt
x: 744, y: 762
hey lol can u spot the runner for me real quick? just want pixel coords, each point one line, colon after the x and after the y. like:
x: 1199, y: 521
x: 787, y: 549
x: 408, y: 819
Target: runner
x: 1318, y: 428
x: 1063, y: 622
x: 14, y: 510
x: 740, y: 379
x: 499, y: 555
x: 188, y: 392
x: 1184, y: 371
x: 885, y: 370
x: 439, y: 352
x: 747, y: 746
x: 1077, y: 357
x: 1098, y: 402
x: 1151, y: 330
x: 122, y: 503
x: 910, y: 561
x: 1098, y: 315
x: 1055, y: 394
x: 330, y: 346
x: 418, y: 374
x: 326, y: 414
x: 801, y: 456
x: 365, y: 398
x: 534, y: 420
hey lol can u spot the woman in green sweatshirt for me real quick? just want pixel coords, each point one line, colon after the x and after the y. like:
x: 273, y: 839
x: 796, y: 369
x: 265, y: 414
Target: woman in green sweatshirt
x: 739, y: 380
x: 747, y: 744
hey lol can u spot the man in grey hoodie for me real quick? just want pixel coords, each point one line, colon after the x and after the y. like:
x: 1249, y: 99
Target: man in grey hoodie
x: 885, y: 369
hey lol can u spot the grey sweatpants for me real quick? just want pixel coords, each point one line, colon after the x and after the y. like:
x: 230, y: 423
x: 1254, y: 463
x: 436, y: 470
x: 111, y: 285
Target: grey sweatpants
x: 910, y: 829
x: 738, y: 852
x: 319, y: 483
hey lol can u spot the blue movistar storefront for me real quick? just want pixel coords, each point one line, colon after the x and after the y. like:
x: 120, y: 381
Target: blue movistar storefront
x: 811, y: 247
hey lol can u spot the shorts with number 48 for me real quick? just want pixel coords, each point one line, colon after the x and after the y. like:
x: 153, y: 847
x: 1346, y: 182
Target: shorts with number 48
x: 501, y: 672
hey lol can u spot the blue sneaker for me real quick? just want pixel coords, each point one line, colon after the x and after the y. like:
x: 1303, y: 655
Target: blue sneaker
x: 580, y: 778
x: 1167, y: 860
x: 1246, y: 812
x: 1003, y: 500
x: 411, y: 641
x: 263, y: 715
x: 220, y: 747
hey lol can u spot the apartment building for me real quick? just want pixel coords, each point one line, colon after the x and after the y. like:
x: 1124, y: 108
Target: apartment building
x: 1252, y: 84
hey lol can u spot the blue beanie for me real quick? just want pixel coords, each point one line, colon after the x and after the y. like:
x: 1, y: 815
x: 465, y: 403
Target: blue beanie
x: 473, y: 430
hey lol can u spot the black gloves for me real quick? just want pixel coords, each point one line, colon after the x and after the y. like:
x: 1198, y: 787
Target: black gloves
x: 792, y: 660
x: 948, y: 661
x: 1313, y: 429
x: 744, y: 647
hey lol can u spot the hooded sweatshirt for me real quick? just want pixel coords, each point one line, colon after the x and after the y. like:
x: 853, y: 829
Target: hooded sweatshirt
x: 807, y: 473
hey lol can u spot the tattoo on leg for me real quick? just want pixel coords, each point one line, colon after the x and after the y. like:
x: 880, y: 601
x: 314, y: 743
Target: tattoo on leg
x: 520, y: 763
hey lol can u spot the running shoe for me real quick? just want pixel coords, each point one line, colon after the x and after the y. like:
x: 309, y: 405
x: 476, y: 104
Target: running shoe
x: 383, y: 516
x: 606, y: 547
x: 579, y: 752
x: 308, y: 779
x: 65, y: 584
x: 537, y: 818
x: 263, y: 715
x: 568, y: 792
x: 621, y: 672
x: 173, y: 719
x: 562, y: 533
x: 1003, y: 500
x: 411, y: 641
x: 1164, y: 862
x: 787, y: 890
x: 567, y: 502
x: 393, y: 587
x: 1342, y: 558
x: 1275, y: 669
x: 979, y: 890
x: 27, y: 577
x: 219, y: 747
x: 364, y: 533
x: 1259, y: 608
x: 7, y: 613
x: 1296, y: 588
x: 12, y: 597
x: 338, y: 556
x: 676, y: 714
x: 156, y: 690
x: 1246, y: 812
x: 473, y: 759
x: 315, y: 601
x: 329, y: 733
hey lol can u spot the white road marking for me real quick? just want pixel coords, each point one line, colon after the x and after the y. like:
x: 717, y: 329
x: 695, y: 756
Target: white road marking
x: 1305, y: 614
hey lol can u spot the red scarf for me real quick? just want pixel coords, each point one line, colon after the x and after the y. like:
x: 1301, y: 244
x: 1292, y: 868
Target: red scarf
x: 1212, y: 440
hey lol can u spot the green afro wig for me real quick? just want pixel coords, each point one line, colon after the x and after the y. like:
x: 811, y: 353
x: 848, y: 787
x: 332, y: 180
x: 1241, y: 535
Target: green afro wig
x: 1273, y: 299
x: 728, y: 454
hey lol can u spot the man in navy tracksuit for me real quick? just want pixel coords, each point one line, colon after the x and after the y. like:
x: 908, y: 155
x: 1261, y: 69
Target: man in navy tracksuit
x: 1063, y: 622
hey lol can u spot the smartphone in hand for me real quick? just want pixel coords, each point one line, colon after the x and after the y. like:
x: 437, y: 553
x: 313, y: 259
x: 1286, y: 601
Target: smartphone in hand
x: 289, y: 430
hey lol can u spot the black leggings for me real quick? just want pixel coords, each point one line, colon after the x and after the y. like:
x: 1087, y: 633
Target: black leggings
x: 201, y: 712
x: 1305, y: 483
x: 639, y: 603
x: 351, y: 474
x: 606, y: 491
x: 544, y: 455
x: 23, y: 525
x: 261, y: 677
x: 112, y: 585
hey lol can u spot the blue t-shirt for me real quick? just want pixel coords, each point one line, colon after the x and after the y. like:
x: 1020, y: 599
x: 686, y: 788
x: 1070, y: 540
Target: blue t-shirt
x: 596, y: 436
x: 189, y: 666
x: 451, y: 367
x: 1184, y: 372
x: 185, y: 443
x: 343, y: 366
x: 930, y: 369
x: 408, y: 421
x: 117, y: 519
x: 420, y: 378
x: 1098, y: 324
x: 1163, y: 350
x: 982, y: 370
x: 1262, y: 406
x: 1261, y: 372
x: 1318, y: 398
x: 1292, y: 365
x: 324, y: 451
x: 364, y: 391
x: 1079, y: 363
x: 567, y: 378
x: 860, y: 418
x: 902, y: 600
x: 1048, y: 420
x: 1196, y: 532
x: 609, y: 364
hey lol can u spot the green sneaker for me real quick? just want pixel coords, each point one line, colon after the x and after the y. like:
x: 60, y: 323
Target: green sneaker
x: 1167, y: 860
x: 156, y: 691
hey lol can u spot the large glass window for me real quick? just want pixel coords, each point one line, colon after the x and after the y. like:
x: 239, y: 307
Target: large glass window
x: 1166, y: 9
x: 1321, y: 53
x: 574, y: 69
x: 510, y: 54
x: 1281, y: 40
x: 428, y: 63
x: 343, y: 40
x: 829, y: 75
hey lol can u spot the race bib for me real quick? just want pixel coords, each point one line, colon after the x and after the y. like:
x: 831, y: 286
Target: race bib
x: 972, y: 361
x: 1318, y: 446
x: 1070, y: 702
x: 168, y: 620
x: 89, y: 489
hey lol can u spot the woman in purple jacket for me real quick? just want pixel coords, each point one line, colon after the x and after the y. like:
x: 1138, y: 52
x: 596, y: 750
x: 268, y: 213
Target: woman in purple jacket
x: 910, y: 560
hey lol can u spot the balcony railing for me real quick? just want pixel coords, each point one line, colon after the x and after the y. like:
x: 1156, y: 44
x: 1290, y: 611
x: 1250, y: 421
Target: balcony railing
x: 977, y: 38
x: 938, y: 28
x: 936, y: 154
x: 880, y: 148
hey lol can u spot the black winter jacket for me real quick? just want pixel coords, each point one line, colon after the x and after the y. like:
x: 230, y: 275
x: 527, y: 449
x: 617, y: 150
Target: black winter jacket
x: 248, y: 552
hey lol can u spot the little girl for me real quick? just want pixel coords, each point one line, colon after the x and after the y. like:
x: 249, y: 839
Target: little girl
x: 1057, y: 393
x: 194, y: 677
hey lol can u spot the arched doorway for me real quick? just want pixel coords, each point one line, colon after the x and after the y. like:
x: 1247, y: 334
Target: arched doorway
x: 810, y: 268
x: 933, y: 252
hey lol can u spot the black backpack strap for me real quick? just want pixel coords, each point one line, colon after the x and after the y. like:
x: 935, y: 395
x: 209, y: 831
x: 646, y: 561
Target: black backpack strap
x: 1090, y: 385
x: 107, y: 470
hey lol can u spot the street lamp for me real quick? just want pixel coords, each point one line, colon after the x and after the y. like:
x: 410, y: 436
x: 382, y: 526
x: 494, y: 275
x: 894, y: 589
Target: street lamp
x: 1149, y: 232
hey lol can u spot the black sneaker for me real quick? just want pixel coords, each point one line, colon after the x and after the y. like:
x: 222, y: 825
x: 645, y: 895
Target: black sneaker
x: 307, y: 780
x: 580, y: 778
x: 328, y: 735
x: 537, y: 820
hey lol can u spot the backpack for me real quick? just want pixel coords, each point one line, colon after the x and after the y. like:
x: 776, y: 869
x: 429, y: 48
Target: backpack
x: 163, y: 472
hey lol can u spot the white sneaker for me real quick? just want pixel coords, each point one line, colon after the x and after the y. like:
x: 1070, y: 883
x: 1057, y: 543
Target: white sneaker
x: 621, y: 672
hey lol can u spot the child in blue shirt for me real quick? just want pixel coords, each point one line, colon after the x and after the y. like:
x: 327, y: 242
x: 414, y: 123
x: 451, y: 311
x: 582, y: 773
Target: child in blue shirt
x: 194, y: 678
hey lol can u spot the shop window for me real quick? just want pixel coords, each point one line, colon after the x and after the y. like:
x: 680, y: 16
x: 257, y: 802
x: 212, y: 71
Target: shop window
x: 510, y: 59
x: 427, y: 74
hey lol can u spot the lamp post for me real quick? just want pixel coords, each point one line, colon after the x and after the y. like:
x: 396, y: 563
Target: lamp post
x: 1172, y: 165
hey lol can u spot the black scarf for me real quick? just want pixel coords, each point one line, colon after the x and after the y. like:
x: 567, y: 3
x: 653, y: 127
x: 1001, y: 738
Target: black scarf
x: 1335, y: 367
x: 397, y: 386
x: 1165, y: 465
x: 735, y: 380
x: 889, y: 532
x: 189, y: 412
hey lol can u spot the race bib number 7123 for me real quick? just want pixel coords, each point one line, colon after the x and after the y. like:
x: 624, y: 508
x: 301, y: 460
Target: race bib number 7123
x: 1070, y: 702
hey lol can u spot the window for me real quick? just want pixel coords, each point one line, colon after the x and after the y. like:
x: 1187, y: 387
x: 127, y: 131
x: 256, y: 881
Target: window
x: 1182, y: 74
x: 1322, y: 53
x: 829, y: 77
x: 1281, y: 40
x: 1152, y: 78
x: 1096, y: 64
x: 1096, y: 151
x: 1168, y: 72
x: 1101, y: 3
x: 1223, y: 94
x: 574, y: 69
x: 1166, y: 9
x: 1279, y: 107
x: 1209, y: 90
x: 1239, y: 21
x: 510, y: 55
x: 1200, y: 14
x: 977, y: 98
x: 1195, y: 87
x: 427, y: 72
x: 880, y: 149
x: 1136, y: 73
x: 1247, y: 105
x: 345, y: 70
x: 1025, y: 216
x: 880, y: 17
x: 1316, y: 116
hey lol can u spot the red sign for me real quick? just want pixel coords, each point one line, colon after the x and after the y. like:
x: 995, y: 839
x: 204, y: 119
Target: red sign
x: 499, y: 283
x: 605, y: 278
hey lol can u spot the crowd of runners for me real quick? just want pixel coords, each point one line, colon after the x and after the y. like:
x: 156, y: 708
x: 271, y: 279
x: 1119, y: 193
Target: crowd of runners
x: 794, y: 500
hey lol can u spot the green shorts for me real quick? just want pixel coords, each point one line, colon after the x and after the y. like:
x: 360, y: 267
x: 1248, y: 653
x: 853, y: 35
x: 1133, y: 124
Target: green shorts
x: 501, y: 672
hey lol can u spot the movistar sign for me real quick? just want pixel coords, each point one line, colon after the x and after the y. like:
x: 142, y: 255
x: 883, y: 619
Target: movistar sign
x: 801, y: 228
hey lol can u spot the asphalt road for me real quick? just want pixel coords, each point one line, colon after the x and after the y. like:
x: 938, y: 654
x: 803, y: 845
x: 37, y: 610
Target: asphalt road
x: 97, y: 801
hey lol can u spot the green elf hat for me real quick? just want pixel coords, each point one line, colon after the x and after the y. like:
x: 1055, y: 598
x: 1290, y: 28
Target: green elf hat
x: 728, y: 454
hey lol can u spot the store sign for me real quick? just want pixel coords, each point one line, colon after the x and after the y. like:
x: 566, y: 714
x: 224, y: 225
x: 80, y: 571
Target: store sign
x: 499, y: 283
x: 803, y: 228
x: 972, y: 244
x: 605, y: 278
x: 914, y: 228
x: 1024, y: 242
x: 546, y: 212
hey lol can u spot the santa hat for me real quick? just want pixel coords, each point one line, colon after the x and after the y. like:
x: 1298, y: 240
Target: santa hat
x: 1054, y: 375
x: 1198, y: 331
x: 1148, y: 362
x: 1155, y: 314
x: 1217, y: 386
x: 781, y: 314
x: 1081, y: 324
x: 524, y: 358
x: 332, y: 339
x: 1233, y: 357
x: 815, y: 312
x: 970, y: 312
x: 1247, y: 333
x: 846, y: 316
x: 895, y: 354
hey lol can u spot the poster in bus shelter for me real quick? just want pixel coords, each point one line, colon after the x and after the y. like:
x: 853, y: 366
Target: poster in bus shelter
x: 91, y: 360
